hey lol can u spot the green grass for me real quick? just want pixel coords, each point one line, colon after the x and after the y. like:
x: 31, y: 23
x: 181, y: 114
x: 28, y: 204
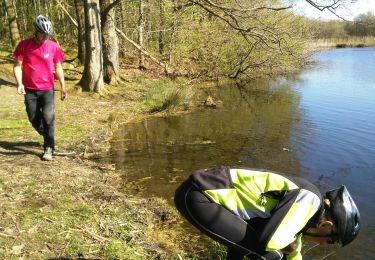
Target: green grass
x: 84, y: 211
x: 70, y: 131
x: 165, y: 95
x: 118, y: 250
x: 2, y: 185
x: 13, y: 124
x: 216, y: 251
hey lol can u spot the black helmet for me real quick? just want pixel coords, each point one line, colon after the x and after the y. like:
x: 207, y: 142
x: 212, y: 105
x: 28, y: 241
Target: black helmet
x: 345, y: 214
x: 43, y: 25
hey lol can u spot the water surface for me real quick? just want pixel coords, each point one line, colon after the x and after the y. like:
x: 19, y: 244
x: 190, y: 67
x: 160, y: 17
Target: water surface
x: 318, y: 125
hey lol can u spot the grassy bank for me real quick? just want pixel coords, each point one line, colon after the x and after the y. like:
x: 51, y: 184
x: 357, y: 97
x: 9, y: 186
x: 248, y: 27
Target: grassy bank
x: 72, y: 207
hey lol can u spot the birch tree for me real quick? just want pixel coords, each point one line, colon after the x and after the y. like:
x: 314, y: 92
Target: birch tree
x: 141, y: 27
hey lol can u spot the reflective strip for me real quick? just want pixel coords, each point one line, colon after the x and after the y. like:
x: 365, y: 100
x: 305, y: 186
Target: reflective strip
x: 249, y: 214
x: 307, y: 197
x: 306, y: 205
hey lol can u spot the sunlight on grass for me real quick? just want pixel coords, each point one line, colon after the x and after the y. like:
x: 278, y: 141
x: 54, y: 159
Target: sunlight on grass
x: 165, y: 95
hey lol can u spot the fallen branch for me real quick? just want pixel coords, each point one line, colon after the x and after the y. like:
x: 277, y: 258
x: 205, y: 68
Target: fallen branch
x: 93, y: 235
x: 167, y: 70
x: 7, y: 235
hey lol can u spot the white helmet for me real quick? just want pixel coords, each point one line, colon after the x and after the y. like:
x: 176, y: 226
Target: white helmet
x: 43, y: 25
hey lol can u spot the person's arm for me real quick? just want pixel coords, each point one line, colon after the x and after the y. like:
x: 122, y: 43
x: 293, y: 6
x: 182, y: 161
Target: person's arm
x: 17, y: 70
x: 60, y: 76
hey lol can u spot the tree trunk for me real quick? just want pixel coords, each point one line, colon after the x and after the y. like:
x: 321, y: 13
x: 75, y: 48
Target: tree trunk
x: 92, y: 78
x: 162, y: 25
x: 80, y: 14
x: 141, y: 33
x: 12, y: 20
x: 110, y: 43
x: 173, y: 31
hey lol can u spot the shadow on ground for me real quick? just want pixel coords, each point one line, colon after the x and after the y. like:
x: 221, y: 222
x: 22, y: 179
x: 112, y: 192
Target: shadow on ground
x: 6, y: 82
x: 18, y: 148
x: 66, y: 258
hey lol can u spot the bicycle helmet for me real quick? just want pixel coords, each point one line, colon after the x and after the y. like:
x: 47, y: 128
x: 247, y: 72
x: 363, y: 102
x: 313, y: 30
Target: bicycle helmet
x: 345, y: 214
x: 43, y: 25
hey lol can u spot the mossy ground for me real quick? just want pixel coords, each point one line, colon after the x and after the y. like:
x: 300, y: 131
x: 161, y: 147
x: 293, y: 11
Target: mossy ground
x: 72, y: 207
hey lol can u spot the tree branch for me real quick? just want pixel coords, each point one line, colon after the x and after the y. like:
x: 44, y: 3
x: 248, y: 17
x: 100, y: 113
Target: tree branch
x: 67, y: 13
x: 167, y: 70
x: 105, y: 12
x: 331, y: 7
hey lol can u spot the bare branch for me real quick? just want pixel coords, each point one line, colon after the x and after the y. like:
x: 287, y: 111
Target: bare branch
x: 333, y: 7
x: 232, y: 22
x: 167, y: 70
x: 242, y: 9
x: 67, y: 13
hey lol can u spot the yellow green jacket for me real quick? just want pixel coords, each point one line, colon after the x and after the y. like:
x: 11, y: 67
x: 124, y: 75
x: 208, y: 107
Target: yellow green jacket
x: 290, y: 204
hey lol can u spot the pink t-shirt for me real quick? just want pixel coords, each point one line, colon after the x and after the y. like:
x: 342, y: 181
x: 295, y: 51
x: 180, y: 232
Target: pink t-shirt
x: 38, y: 60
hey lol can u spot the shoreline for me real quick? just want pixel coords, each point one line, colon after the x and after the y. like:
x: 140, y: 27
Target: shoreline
x: 74, y: 206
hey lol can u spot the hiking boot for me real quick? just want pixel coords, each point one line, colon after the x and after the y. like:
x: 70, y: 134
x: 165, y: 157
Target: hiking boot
x: 47, y: 156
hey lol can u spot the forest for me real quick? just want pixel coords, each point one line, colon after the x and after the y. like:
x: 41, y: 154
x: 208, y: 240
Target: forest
x: 192, y: 38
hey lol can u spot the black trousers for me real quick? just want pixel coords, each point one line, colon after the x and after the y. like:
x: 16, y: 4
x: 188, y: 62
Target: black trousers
x: 40, y: 111
x: 239, y: 236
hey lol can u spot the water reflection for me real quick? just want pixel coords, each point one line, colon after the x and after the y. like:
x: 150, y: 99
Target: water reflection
x: 251, y: 128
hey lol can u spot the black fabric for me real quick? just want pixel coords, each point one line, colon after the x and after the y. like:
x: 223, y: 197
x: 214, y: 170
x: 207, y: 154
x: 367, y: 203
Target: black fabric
x: 304, y: 184
x: 277, y: 215
x: 217, y: 222
x: 213, y: 178
x: 275, y: 194
x: 40, y: 111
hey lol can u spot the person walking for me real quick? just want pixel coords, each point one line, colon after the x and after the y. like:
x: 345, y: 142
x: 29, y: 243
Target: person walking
x: 264, y: 215
x: 36, y: 59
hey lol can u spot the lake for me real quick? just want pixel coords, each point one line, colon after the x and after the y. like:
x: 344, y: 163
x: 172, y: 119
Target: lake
x: 318, y: 125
